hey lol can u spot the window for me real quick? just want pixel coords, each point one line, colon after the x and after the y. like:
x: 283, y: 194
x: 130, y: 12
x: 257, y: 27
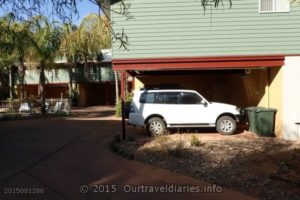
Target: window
x: 267, y: 6
x: 160, y: 98
x: 147, y: 98
x: 171, y: 98
x: 190, y: 98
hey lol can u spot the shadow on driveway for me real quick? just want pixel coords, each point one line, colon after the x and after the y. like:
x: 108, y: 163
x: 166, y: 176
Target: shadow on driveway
x: 57, y: 158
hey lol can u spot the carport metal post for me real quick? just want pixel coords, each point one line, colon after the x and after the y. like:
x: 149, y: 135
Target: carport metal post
x: 123, y: 82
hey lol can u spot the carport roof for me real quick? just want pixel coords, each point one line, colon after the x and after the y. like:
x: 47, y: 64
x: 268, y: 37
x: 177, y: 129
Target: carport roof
x: 199, y: 63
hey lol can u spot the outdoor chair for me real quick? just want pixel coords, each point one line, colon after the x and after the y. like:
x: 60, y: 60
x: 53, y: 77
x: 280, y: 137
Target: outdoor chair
x: 24, y: 107
x: 58, y: 107
x: 66, y: 108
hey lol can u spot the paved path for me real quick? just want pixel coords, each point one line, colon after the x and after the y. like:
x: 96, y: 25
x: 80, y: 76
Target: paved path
x: 60, y: 155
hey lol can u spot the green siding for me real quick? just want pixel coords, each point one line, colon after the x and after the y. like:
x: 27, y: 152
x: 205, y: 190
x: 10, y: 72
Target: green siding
x: 176, y: 28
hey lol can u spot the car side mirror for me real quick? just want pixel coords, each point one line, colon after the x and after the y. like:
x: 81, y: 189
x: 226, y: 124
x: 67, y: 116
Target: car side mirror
x: 204, y: 102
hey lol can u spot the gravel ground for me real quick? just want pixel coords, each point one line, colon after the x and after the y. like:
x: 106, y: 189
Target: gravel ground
x: 267, y: 168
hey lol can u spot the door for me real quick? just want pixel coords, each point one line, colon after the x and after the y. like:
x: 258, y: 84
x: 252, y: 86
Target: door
x: 195, y: 110
x: 167, y: 104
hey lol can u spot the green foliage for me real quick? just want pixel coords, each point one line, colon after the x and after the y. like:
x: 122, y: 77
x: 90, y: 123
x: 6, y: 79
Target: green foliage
x: 45, y: 38
x: 7, y: 41
x: 87, y: 40
x: 128, y: 100
x: 119, y: 109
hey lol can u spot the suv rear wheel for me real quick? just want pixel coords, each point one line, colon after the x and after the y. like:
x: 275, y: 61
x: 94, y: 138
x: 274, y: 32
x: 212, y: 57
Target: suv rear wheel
x: 156, y: 126
x: 226, y: 125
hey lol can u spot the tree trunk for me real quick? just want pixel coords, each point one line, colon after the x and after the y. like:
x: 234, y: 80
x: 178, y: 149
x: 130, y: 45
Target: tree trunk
x: 70, y: 69
x: 4, y: 84
x: 85, y: 67
x: 76, y: 78
x: 42, y: 89
x: 11, y: 82
x: 117, y: 86
x: 1, y: 85
x: 22, y: 75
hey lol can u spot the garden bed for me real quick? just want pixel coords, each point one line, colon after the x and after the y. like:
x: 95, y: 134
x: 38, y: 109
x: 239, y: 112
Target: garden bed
x: 267, y: 168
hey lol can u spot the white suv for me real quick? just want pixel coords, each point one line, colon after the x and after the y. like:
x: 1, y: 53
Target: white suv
x: 158, y: 110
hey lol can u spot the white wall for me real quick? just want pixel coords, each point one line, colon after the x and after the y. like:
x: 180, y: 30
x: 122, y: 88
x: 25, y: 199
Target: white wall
x: 291, y: 98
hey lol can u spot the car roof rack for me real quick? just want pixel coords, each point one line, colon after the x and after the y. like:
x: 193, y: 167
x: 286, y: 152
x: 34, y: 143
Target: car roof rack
x: 163, y: 87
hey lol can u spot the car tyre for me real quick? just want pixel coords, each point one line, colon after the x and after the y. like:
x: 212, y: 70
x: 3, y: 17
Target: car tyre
x: 226, y: 125
x: 156, y: 127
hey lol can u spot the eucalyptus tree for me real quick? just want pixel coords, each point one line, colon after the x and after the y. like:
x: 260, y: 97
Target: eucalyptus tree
x: 21, y: 42
x: 15, y: 42
x: 84, y: 42
x: 68, y: 48
x: 92, y: 36
x: 45, y: 38
x: 7, y: 68
x: 8, y: 57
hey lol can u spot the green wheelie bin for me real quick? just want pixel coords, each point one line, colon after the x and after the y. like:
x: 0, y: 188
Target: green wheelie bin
x: 261, y: 120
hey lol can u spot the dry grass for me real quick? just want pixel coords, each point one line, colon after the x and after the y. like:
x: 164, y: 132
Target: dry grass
x: 244, y: 162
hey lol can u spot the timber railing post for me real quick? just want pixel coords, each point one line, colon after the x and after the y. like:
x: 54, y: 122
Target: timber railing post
x: 123, y: 82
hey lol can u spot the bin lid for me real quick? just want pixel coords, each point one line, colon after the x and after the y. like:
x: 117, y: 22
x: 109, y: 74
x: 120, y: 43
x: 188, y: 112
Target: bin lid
x: 261, y: 109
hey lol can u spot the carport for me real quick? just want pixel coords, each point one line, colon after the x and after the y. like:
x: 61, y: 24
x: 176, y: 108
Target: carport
x: 240, y: 80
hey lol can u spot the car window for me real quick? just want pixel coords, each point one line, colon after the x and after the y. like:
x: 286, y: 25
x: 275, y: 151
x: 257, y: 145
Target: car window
x: 171, y: 98
x: 160, y: 98
x: 189, y: 98
x: 147, y: 98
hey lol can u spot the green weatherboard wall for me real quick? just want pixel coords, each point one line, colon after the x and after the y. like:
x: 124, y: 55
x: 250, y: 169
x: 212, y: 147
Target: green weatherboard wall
x: 180, y: 28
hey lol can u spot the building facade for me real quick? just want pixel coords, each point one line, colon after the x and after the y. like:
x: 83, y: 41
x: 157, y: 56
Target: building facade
x: 93, y: 83
x: 247, y: 54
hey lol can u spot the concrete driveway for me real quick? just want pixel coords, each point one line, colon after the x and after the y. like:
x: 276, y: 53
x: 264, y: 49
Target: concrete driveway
x: 68, y: 158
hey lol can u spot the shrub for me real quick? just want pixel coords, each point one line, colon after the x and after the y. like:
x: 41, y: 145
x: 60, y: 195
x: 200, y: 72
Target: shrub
x: 195, y: 141
x: 128, y: 100
x: 130, y: 139
x: 117, y: 138
x: 178, y: 151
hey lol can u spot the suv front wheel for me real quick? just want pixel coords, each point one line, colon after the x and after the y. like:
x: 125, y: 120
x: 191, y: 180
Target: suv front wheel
x: 156, y: 126
x: 226, y: 125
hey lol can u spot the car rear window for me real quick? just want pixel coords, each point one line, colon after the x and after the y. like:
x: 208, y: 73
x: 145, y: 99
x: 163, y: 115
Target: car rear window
x: 160, y: 98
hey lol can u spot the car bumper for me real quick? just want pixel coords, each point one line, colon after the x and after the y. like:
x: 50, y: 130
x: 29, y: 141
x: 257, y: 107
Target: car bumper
x: 136, y: 119
x: 241, y: 117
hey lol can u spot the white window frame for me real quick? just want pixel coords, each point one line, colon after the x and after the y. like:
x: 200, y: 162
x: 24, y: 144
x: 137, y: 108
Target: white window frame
x: 273, y: 11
